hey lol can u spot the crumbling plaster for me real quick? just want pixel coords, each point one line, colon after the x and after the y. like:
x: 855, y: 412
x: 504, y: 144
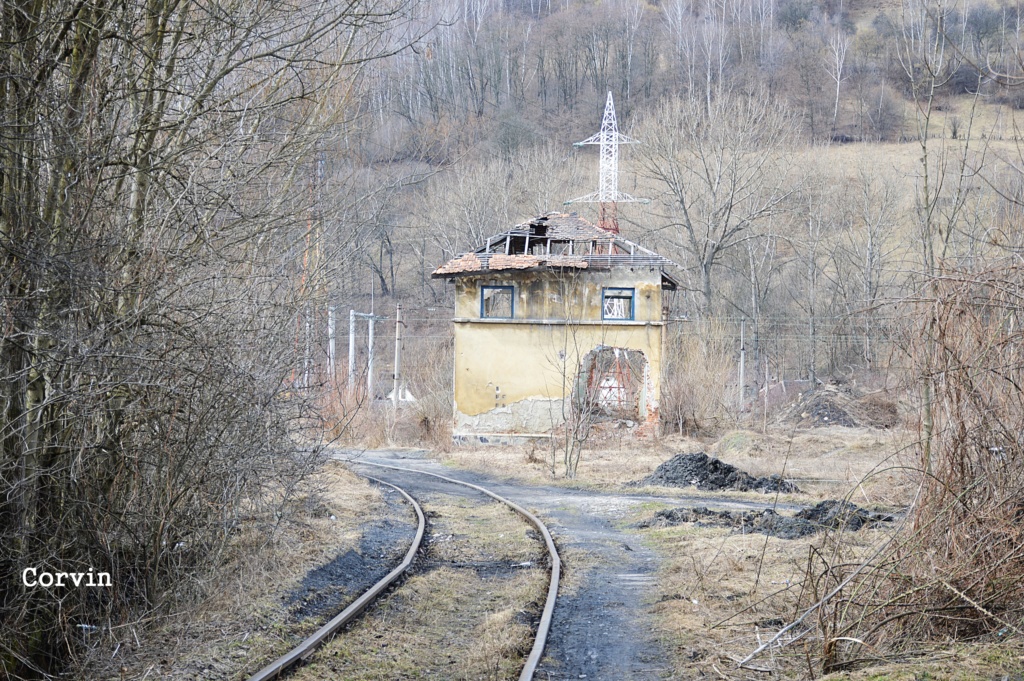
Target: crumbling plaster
x: 513, y: 376
x: 556, y: 296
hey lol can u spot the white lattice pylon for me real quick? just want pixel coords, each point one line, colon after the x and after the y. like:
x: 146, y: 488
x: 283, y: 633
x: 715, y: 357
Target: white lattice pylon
x: 608, y: 193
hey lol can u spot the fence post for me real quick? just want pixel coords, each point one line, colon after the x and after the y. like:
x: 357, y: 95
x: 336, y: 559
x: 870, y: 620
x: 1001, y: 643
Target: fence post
x: 398, y: 355
x: 351, y: 351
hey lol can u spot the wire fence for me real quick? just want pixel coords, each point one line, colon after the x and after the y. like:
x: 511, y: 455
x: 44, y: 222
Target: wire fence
x: 793, y: 353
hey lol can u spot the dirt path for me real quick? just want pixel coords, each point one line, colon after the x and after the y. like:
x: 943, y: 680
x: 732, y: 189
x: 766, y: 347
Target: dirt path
x: 602, y: 627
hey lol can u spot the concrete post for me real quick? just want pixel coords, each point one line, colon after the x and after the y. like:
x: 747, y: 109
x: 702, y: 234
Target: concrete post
x: 330, y: 344
x: 369, y: 364
x: 398, y: 356
x: 743, y: 360
x: 351, y: 351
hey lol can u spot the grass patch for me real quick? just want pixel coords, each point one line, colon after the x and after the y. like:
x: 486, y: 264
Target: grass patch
x: 964, y: 662
x: 243, y: 623
x: 449, y: 623
x: 826, y: 463
x: 720, y: 595
x: 465, y: 530
x: 466, y: 616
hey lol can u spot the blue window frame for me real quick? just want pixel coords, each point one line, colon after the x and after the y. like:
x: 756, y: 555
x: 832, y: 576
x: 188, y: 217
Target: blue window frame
x: 497, y: 302
x: 617, y: 303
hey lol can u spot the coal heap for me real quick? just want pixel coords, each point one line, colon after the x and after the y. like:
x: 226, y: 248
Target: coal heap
x: 827, y: 515
x: 708, y: 473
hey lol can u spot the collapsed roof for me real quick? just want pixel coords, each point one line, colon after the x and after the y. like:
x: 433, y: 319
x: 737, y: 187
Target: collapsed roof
x: 555, y: 241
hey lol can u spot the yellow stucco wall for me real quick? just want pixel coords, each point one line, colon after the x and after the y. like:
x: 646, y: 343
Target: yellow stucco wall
x: 574, y: 295
x: 514, y: 376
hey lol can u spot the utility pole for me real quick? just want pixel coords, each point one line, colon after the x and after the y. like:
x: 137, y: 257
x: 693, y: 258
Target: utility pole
x: 767, y: 387
x: 351, y: 351
x: 743, y: 360
x: 307, y: 361
x: 369, y: 363
x: 330, y: 344
x: 370, y: 319
x: 398, y: 355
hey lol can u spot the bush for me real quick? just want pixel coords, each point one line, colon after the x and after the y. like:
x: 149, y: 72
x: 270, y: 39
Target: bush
x: 956, y: 569
x: 793, y: 14
x: 697, y: 367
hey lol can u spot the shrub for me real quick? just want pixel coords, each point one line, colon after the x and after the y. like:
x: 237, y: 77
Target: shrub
x: 697, y: 367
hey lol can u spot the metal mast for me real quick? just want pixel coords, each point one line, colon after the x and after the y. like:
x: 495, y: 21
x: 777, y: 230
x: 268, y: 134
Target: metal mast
x: 608, y: 194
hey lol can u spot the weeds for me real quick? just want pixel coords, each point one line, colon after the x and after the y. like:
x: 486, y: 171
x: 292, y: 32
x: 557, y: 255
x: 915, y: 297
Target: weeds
x: 955, y: 571
x: 698, y: 366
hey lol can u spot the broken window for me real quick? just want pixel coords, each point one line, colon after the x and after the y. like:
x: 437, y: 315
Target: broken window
x: 496, y: 302
x: 612, y: 383
x: 617, y: 303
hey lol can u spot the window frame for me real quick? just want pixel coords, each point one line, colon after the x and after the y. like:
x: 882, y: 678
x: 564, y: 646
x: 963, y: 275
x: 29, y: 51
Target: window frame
x: 632, y: 303
x: 512, y: 300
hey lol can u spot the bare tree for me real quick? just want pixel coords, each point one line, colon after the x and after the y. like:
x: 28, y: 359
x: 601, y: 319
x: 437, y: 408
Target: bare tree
x: 927, y: 53
x: 838, y: 45
x: 723, y: 170
x: 155, y: 170
x: 869, y: 248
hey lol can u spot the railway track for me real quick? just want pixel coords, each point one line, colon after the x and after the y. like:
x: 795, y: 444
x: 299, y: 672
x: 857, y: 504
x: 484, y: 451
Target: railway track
x: 302, y: 653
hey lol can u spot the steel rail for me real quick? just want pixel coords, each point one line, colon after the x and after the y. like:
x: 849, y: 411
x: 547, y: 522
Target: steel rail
x: 308, y: 647
x: 556, y: 564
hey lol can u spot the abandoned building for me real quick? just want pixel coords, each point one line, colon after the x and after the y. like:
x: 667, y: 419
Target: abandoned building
x: 551, y: 316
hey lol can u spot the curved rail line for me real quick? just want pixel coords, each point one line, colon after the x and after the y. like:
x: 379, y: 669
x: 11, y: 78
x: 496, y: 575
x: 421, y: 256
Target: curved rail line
x: 309, y: 646
x: 556, y: 564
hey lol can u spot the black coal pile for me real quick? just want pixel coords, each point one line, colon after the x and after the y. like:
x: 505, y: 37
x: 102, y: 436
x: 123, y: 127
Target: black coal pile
x: 707, y: 473
x: 833, y: 513
x: 827, y: 515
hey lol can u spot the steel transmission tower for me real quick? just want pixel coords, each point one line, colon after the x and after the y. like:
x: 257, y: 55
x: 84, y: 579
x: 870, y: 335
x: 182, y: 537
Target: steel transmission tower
x: 608, y: 194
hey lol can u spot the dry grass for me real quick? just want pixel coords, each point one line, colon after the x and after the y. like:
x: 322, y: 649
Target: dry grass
x: 955, y: 573
x: 243, y: 623
x: 351, y: 422
x: 949, y: 576
x: 576, y: 562
x: 720, y: 595
x: 998, y: 126
x: 532, y: 463
x: 1002, y: 661
x: 698, y: 364
x: 466, y: 530
x: 450, y: 622
x: 826, y: 463
x: 445, y: 624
